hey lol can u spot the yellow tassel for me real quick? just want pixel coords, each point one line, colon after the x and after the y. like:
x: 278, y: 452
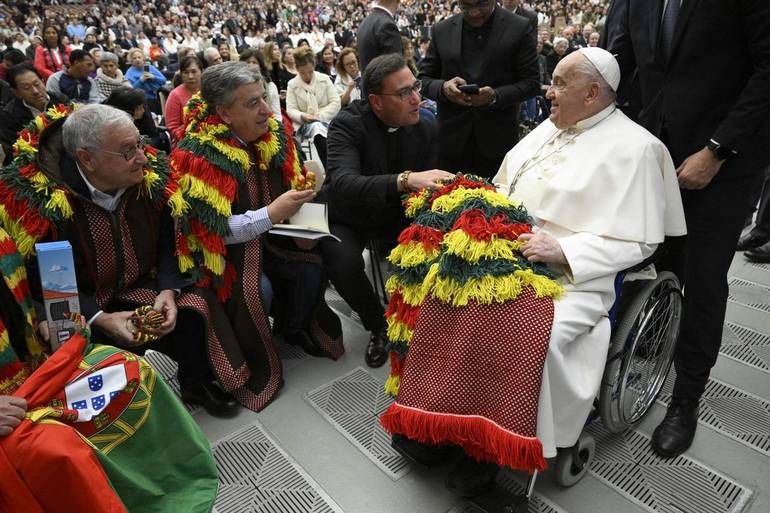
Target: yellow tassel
x: 414, y: 204
x: 269, y: 148
x: 178, y: 204
x: 150, y: 179
x: 461, y: 244
x: 542, y: 285
x: 199, y: 189
x: 209, y: 135
x: 16, y: 277
x: 392, y: 384
x: 398, y: 331
x: 185, y: 263
x: 214, y: 261
x: 60, y: 202
x: 411, y: 254
x: 23, y: 146
x: 457, y: 197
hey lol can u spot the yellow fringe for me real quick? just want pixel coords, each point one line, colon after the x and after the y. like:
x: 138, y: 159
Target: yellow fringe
x: 414, y: 204
x: 457, y: 197
x: 150, y: 178
x: 392, y: 384
x: 25, y: 243
x: 543, y: 286
x: 178, y: 204
x: 199, y: 189
x: 209, y: 134
x: 269, y: 148
x: 214, y: 261
x: 16, y: 277
x: 23, y: 146
x: 411, y: 254
x: 459, y: 243
x: 398, y: 331
x: 185, y: 263
x: 494, y: 289
x: 59, y: 201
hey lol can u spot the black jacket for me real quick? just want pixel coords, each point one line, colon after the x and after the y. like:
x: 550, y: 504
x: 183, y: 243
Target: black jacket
x: 377, y: 35
x: 510, y: 67
x: 363, y: 164
x: 15, y: 116
x: 715, y: 83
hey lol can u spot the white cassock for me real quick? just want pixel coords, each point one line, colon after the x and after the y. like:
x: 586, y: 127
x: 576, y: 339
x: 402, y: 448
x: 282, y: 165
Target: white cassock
x: 606, y: 190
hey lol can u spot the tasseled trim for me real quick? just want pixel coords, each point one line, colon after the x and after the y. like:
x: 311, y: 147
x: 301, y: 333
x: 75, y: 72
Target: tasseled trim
x: 479, y: 437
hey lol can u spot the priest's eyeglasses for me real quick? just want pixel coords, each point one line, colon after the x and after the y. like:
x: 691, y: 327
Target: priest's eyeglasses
x: 130, y: 153
x: 406, y: 93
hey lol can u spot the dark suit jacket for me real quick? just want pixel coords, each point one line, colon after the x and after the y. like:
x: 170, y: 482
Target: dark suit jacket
x: 15, y: 116
x: 360, y: 185
x: 531, y: 17
x: 510, y: 67
x: 715, y: 82
x: 377, y: 35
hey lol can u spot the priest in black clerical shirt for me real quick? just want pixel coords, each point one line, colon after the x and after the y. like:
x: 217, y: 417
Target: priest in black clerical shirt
x: 378, y: 149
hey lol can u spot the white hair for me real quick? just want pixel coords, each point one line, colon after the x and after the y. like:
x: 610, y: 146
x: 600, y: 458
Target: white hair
x: 87, y: 126
x: 585, y: 67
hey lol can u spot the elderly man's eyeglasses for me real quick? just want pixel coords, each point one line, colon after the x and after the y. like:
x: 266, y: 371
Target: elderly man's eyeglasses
x: 469, y: 6
x: 130, y: 153
x: 406, y: 93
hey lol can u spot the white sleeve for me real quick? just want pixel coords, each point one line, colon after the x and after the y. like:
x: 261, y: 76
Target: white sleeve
x: 590, y: 256
x: 247, y: 226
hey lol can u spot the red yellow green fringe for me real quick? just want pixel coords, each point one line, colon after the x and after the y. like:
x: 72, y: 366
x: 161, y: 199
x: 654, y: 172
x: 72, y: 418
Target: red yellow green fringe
x: 209, y: 164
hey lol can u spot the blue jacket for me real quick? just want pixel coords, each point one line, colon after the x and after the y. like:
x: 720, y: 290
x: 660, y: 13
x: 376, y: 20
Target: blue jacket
x: 150, y: 87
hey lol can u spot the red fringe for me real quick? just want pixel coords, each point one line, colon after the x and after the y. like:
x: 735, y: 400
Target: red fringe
x: 474, y: 223
x: 396, y: 364
x: 430, y: 237
x: 225, y: 290
x: 20, y: 211
x: 478, y: 437
x: 211, y: 241
x: 7, y: 247
x: 458, y: 182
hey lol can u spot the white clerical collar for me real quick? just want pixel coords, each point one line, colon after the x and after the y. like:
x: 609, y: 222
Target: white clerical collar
x: 585, y: 124
x: 392, y: 129
x: 378, y: 6
x: 106, y: 201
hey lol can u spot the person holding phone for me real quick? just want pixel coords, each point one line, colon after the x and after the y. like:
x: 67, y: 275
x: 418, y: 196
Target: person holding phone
x: 479, y: 83
x: 146, y: 77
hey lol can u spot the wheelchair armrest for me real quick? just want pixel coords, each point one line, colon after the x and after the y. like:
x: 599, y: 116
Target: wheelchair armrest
x: 656, y: 256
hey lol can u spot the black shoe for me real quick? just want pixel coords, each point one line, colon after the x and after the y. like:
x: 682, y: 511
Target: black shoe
x: 470, y: 477
x: 424, y: 454
x: 376, y: 351
x: 752, y: 240
x: 674, y: 435
x: 304, y: 341
x: 214, y: 400
x: 760, y: 254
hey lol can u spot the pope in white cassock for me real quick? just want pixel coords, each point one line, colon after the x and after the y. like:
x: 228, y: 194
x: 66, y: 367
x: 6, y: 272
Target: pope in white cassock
x: 603, y: 192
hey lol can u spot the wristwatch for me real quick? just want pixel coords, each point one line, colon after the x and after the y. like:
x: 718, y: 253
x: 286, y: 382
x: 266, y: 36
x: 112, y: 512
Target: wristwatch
x: 494, y: 99
x: 721, y: 152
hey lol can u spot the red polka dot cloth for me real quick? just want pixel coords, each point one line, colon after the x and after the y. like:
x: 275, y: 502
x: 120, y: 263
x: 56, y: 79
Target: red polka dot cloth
x: 474, y: 318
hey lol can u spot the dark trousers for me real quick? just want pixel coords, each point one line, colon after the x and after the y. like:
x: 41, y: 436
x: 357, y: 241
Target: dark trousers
x: 345, y: 266
x: 471, y: 160
x: 762, y: 222
x: 296, y: 286
x: 715, y: 217
x: 186, y: 345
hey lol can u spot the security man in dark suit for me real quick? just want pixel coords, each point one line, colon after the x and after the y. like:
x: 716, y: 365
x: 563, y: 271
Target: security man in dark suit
x: 516, y: 8
x: 495, y: 49
x: 378, y: 34
x: 704, y: 72
x: 379, y: 149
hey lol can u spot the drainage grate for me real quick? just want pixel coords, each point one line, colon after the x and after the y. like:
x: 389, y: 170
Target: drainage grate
x: 514, y: 484
x: 761, y: 267
x: 335, y: 301
x: 167, y: 368
x: 257, y: 476
x: 746, y: 346
x: 736, y: 414
x: 626, y: 463
x: 353, y: 404
x: 749, y: 294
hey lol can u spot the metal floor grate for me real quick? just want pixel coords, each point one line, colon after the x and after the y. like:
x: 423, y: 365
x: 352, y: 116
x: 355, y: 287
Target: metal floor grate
x: 353, y: 404
x: 335, y: 301
x: 749, y: 294
x: 746, y: 345
x: 680, y: 485
x: 257, y: 476
x: 514, y: 484
x: 736, y: 414
x: 761, y: 267
x: 167, y: 368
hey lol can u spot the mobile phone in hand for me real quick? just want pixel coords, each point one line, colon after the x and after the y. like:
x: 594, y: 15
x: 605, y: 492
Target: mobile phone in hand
x: 146, y: 68
x: 469, y: 88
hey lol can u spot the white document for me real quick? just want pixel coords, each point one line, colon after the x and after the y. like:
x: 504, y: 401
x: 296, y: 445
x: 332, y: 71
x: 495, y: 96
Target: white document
x: 310, y: 222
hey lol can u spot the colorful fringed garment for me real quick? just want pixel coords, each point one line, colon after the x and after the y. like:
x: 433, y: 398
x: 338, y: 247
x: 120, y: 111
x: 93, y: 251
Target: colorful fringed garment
x: 475, y: 318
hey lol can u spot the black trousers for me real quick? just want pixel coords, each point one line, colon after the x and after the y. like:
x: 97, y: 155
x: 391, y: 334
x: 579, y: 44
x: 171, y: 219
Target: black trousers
x: 345, y: 266
x: 762, y: 223
x: 715, y: 217
x: 186, y: 345
x: 471, y: 160
x: 297, y: 287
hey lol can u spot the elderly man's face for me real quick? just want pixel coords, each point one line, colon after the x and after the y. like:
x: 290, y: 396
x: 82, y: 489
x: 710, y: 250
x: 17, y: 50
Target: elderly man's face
x: 247, y: 116
x: 107, y: 167
x: 569, y: 93
x: 31, y: 89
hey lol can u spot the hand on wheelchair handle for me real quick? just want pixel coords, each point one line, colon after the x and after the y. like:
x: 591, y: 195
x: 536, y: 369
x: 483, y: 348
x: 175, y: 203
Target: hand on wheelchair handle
x: 539, y: 247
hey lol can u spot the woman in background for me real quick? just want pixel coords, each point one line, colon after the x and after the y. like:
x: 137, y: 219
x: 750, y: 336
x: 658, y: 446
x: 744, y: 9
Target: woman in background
x: 190, y: 70
x: 255, y: 58
x: 348, y: 80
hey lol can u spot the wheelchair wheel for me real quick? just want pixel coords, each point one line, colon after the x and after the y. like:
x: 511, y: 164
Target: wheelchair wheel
x: 573, y: 463
x: 641, y: 351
